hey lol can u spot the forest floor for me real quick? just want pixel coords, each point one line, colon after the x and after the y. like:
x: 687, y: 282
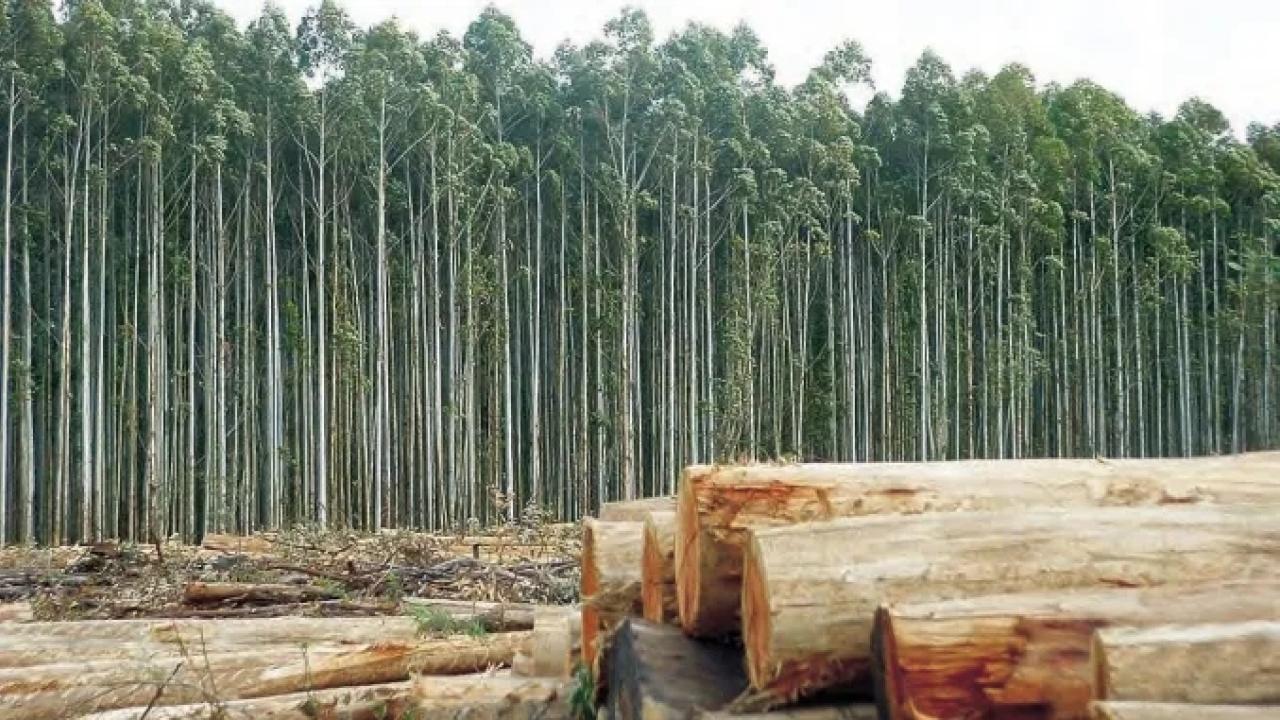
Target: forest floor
x: 298, y: 572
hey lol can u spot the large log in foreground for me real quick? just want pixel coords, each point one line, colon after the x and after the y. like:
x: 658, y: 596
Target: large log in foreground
x: 58, y: 691
x: 43, y: 643
x: 389, y: 701
x: 718, y: 505
x: 655, y: 672
x: 1226, y: 663
x: 610, y: 590
x: 810, y: 591
x: 657, y: 571
x: 1177, y: 711
x: 1027, y: 654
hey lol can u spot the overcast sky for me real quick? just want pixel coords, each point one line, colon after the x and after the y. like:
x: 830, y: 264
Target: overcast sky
x: 1156, y: 53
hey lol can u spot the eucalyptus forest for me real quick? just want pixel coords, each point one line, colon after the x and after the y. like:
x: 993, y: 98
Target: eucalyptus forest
x: 256, y: 277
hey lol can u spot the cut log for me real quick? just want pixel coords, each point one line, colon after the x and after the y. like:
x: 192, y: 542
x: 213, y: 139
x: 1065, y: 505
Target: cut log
x: 998, y: 656
x: 553, y: 643
x: 717, y: 505
x: 1112, y: 710
x: 819, y: 712
x: 15, y: 612
x: 56, y: 691
x: 52, y: 642
x: 636, y: 510
x: 658, y: 570
x: 390, y: 701
x: 486, y: 697
x: 203, y: 593
x: 611, y: 553
x: 655, y: 672
x: 493, y: 616
x: 810, y: 591
x: 1219, y: 663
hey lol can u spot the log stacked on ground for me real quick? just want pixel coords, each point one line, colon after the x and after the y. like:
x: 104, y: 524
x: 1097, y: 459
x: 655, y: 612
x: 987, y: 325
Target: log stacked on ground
x: 43, y: 643
x: 16, y: 612
x: 1226, y: 663
x: 1178, y: 711
x: 61, y: 690
x: 389, y: 701
x: 491, y: 697
x: 611, y: 553
x: 212, y: 593
x: 810, y: 591
x: 718, y: 505
x: 554, y: 652
x: 655, y: 672
x: 658, y: 571
x: 997, y: 656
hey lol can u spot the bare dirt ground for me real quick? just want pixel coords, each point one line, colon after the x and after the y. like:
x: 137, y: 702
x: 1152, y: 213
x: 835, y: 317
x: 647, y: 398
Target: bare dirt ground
x: 298, y: 572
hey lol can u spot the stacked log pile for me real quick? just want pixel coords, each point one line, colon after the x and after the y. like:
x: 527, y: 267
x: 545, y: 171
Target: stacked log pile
x: 1068, y: 589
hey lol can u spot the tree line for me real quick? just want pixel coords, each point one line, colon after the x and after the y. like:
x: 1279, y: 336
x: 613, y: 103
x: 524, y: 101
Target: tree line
x: 356, y: 277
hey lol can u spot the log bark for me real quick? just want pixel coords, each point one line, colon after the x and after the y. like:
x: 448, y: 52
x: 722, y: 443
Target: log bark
x: 810, y: 591
x: 488, y: 697
x: 1212, y: 663
x: 68, y: 689
x: 42, y: 643
x: 655, y: 672
x: 553, y: 642
x: 636, y: 510
x: 1175, y: 711
x: 389, y: 701
x: 611, y: 553
x: 494, y: 616
x: 658, y: 571
x: 212, y: 593
x: 718, y: 505
x: 1027, y: 654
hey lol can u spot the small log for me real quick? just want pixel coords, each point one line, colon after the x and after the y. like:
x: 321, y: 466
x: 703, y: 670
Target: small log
x: 389, y: 701
x: 1222, y: 663
x: 658, y: 570
x: 1114, y: 710
x: 610, y: 579
x: 655, y: 672
x: 56, y: 691
x: 810, y: 591
x: 997, y: 656
x: 819, y: 712
x: 212, y: 593
x: 718, y: 505
x: 494, y: 616
x: 42, y: 643
x: 553, y: 651
x: 636, y: 510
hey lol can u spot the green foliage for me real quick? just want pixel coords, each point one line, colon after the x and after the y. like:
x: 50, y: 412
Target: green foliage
x: 434, y: 622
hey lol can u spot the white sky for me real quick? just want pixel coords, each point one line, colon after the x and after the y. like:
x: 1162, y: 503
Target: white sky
x: 1155, y: 53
